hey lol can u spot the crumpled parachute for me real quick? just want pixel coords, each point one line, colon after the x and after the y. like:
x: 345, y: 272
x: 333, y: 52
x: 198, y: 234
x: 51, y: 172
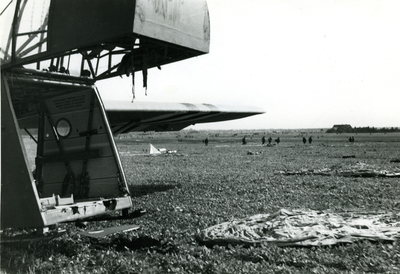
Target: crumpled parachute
x: 303, y: 228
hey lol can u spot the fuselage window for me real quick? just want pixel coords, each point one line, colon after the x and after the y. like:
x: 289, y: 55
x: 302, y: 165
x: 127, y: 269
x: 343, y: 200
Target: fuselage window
x: 63, y: 127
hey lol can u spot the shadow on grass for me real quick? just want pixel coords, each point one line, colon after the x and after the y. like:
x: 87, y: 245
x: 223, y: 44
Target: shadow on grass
x: 142, y: 190
x: 143, y: 242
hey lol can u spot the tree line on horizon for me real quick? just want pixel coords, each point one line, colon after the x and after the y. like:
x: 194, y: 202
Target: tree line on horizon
x: 349, y: 129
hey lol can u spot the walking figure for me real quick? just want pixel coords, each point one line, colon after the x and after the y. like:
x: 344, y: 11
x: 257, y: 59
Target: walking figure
x: 206, y: 141
x: 244, y: 140
x: 304, y: 140
x: 269, y: 140
x: 263, y: 140
x: 310, y: 140
x: 278, y: 140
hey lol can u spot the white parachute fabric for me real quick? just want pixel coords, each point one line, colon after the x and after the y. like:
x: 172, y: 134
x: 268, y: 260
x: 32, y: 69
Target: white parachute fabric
x: 303, y: 228
x: 153, y: 150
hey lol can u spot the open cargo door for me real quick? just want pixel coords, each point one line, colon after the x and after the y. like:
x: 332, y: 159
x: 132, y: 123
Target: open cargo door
x: 77, y: 156
x: 77, y: 171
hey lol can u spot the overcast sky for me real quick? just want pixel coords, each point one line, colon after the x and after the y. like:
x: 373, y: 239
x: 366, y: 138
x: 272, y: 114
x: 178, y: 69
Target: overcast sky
x: 308, y: 64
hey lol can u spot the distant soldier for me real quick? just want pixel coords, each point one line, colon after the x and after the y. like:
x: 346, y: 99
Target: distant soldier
x: 269, y: 140
x: 244, y: 140
x: 310, y: 140
x: 206, y: 141
x: 304, y: 140
x: 278, y: 140
x: 263, y: 140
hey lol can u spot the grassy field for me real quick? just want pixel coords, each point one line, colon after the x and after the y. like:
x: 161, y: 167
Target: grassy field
x: 201, y: 186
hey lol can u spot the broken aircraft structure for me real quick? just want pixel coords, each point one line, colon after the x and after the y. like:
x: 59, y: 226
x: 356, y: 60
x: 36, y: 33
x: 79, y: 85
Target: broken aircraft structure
x: 52, y: 55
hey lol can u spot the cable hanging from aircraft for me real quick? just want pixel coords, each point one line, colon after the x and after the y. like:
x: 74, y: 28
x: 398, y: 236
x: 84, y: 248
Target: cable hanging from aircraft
x: 133, y: 81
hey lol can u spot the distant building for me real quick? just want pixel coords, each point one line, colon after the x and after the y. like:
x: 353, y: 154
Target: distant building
x: 340, y: 129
